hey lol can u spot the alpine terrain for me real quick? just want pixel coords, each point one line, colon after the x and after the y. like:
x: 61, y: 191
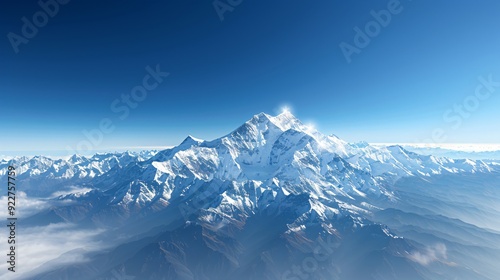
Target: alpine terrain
x: 273, y: 199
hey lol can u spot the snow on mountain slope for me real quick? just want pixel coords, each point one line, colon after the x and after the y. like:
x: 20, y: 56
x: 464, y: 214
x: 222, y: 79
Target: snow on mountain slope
x: 263, y: 160
x: 42, y: 175
x: 271, y: 173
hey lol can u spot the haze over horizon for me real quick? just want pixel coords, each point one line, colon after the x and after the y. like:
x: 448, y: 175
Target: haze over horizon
x: 60, y: 153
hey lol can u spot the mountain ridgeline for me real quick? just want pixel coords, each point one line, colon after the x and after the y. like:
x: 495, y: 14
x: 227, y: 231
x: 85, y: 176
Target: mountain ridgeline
x: 273, y: 199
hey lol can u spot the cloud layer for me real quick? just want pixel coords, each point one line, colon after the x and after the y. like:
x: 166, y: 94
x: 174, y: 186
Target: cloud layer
x: 431, y: 254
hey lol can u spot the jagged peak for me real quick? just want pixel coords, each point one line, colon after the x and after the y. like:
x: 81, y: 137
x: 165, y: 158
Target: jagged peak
x: 284, y: 121
x: 76, y: 158
x: 286, y: 113
x: 191, y: 140
x: 260, y: 117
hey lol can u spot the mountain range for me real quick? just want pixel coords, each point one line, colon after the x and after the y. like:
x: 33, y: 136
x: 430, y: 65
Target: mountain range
x: 273, y: 199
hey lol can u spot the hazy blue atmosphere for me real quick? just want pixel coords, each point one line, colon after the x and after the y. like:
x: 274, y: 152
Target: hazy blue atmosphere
x: 262, y: 56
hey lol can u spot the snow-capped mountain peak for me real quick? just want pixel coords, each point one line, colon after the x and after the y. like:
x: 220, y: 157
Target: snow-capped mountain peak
x: 272, y: 172
x: 190, y: 140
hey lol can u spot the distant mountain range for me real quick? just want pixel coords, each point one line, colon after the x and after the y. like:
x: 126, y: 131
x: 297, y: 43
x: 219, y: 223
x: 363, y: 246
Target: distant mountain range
x: 490, y: 155
x: 274, y: 199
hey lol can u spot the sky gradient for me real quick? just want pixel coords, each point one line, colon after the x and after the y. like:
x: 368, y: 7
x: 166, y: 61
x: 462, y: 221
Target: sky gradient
x: 403, y: 86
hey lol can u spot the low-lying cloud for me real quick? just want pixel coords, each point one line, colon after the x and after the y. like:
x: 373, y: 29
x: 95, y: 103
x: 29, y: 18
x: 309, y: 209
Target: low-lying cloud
x: 35, y: 246
x: 70, y: 190
x: 430, y: 255
x: 25, y: 206
x: 38, y: 245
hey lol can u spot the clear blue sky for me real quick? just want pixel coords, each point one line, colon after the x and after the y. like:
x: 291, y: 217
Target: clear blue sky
x: 262, y: 56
